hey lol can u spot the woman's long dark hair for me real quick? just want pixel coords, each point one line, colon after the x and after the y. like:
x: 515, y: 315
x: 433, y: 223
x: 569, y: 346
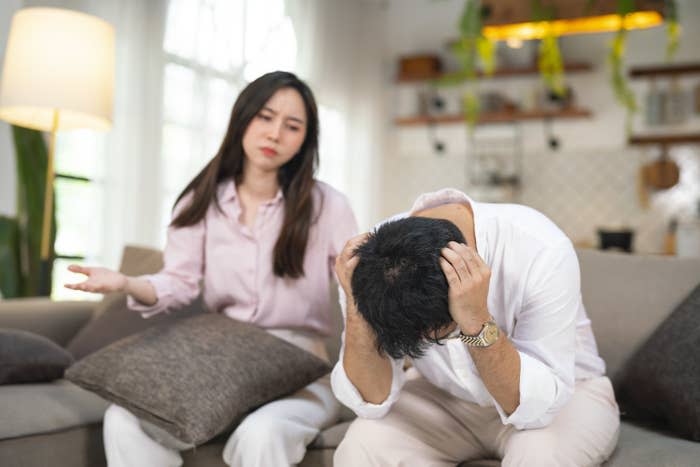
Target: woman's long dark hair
x: 296, y: 177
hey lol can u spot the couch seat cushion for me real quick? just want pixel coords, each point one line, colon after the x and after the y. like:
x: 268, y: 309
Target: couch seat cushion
x: 643, y: 446
x: 29, y: 409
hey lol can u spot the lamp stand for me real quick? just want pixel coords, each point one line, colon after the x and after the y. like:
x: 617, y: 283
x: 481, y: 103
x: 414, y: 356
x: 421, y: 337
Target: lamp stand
x: 46, y: 260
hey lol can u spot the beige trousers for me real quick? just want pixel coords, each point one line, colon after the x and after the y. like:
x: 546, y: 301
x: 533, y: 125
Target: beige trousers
x: 429, y: 427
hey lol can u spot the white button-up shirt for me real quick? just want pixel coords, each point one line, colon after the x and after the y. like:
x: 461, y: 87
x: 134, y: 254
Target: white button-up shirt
x: 535, y: 298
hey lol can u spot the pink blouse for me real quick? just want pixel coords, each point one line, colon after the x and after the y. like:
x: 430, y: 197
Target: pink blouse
x: 234, y: 263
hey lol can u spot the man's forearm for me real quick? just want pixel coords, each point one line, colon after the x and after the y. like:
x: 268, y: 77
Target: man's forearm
x: 499, y: 368
x: 368, y: 371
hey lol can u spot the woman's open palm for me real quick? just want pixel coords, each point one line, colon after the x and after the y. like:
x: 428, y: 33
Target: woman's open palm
x: 99, y: 280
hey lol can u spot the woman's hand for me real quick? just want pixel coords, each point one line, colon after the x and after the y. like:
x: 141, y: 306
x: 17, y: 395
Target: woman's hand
x: 468, y: 277
x: 99, y: 280
x: 346, y: 263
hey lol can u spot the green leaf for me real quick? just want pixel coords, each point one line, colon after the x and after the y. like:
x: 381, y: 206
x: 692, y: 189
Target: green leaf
x: 10, y: 271
x: 625, y: 7
x: 31, y: 162
x: 550, y: 64
x: 672, y: 38
x: 470, y: 47
x: 486, y: 50
x: 470, y: 21
x: 471, y: 106
x: 541, y: 12
x: 621, y: 89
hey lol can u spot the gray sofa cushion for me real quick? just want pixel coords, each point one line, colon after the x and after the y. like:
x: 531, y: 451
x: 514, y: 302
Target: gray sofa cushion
x: 638, y: 445
x: 31, y: 409
x: 26, y: 357
x: 661, y: 381
x: 197, y: 376
x: 627, y: 296
x: 56, y: 320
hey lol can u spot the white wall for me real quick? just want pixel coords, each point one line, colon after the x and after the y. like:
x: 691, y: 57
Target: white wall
x: 8, y: 195
x: 591, y: 181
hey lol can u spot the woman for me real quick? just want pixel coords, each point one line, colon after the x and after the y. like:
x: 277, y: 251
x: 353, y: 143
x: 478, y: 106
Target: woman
x: 262, y: 235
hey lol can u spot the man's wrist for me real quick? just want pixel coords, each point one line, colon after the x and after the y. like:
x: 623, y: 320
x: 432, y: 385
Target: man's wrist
x: 472, y: 326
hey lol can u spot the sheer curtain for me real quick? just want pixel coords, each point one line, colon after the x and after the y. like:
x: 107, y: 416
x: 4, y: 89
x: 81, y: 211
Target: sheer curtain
x: 132, y: 158
x: 339, y: 54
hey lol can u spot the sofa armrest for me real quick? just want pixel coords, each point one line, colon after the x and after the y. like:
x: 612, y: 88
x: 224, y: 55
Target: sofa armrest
x: 57, y: 320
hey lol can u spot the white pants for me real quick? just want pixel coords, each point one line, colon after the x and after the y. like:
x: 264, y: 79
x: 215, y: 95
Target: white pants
x: 275, y: 434
x: 428, y: 427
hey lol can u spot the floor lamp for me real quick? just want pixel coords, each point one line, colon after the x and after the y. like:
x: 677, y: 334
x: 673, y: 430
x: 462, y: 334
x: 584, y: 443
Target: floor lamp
x: 58, y: 75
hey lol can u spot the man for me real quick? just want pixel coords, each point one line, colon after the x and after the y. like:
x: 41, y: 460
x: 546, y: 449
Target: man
x: 485, y: 299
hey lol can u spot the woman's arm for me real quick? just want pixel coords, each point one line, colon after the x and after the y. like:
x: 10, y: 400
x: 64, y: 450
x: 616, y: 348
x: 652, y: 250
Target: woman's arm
x: 177, y: 284
x: 103, y: 280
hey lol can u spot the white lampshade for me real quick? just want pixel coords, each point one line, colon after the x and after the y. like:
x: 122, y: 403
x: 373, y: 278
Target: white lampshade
x: 58, y: 60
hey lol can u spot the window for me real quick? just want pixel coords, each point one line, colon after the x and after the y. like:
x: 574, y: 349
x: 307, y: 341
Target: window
x: 213, y: 48
x: 79, y: 190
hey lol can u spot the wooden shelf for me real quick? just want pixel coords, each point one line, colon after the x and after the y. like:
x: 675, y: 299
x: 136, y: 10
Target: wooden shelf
x: 495, y: 117
x: 499, y: 73
x: 664, y: 70
x: 665, y: 140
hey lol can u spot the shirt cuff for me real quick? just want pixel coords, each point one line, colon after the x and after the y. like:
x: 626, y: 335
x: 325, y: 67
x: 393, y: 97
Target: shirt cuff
x: 347, y: 393
x: 539, y: 391
x: 162, y: 289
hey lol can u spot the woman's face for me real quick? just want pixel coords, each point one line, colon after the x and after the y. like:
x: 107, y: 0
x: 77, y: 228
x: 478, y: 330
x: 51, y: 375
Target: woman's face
x: 277, y: 132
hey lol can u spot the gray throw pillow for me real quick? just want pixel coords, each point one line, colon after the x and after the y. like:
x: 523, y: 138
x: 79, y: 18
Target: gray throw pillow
x: 198, y: 376
x: 660, y: 383
x: 26, y: 357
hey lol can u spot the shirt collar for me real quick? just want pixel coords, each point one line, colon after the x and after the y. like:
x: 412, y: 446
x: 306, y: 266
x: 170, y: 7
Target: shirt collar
x: 229, y: 192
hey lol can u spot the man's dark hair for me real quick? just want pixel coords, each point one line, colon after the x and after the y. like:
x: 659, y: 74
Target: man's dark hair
x: 399, y: 287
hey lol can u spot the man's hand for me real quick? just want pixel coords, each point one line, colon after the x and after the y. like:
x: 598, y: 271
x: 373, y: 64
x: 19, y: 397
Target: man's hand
x: 368, y: 370
x: 468, y: 278
x: 345, y: 265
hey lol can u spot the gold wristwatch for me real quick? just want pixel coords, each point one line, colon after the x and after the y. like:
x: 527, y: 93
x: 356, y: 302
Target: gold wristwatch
x: 488, y: 335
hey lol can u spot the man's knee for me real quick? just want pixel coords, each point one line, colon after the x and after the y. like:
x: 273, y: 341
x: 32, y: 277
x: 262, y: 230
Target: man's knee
x: 363, y: 438
x: 537, y: 447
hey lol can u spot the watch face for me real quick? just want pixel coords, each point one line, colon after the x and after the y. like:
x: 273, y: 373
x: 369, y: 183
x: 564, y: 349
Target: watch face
x: 491, y: 333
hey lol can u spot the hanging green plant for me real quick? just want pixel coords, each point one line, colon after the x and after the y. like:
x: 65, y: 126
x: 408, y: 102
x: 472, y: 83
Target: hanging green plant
x: 549, y: 61
x: 673, y: 29
x: 471, y: 49
x: 618, y: 76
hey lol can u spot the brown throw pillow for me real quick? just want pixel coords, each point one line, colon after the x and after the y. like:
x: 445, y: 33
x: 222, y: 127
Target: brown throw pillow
x: 26, y: 357
x: 660, y: 381
x: 198, y: 376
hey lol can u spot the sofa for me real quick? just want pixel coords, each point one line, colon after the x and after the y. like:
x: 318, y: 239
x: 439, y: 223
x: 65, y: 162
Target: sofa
x: 57, y: 423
